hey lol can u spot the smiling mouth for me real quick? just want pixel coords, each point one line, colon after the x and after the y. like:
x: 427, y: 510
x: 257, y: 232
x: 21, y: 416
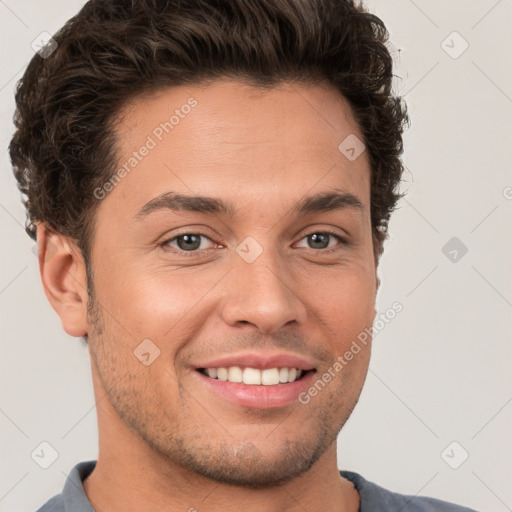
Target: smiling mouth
x: 255, y: 376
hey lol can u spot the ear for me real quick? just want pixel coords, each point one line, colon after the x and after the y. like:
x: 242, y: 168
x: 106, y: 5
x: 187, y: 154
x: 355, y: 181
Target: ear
x: 64, y: 279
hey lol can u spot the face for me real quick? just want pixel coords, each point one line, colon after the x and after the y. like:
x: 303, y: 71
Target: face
x: 273, y: 268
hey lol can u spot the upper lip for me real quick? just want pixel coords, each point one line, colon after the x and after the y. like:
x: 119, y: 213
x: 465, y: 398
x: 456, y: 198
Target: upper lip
x: 261, y: 361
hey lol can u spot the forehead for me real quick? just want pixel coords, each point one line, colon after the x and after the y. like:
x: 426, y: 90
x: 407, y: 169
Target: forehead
x: 230, y: 139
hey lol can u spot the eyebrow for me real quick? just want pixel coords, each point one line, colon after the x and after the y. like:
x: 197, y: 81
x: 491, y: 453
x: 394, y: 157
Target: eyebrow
x: 321, y: 202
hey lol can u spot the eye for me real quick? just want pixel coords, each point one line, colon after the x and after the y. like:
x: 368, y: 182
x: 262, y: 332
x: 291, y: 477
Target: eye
x: 321, y: 240
x: 192, y: 243
x: 187, y: 242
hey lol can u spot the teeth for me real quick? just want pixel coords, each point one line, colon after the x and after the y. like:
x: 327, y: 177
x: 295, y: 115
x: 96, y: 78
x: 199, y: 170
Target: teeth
x: 254, y: 376
x: 270, y: 377
x: 235, y: 374
x: 222, y: 373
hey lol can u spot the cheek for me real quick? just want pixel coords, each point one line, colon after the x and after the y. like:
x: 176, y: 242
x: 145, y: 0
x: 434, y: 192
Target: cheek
x: 153, y: 302
x: 346, y: 298
x: 346, y: 313
x: 157, y: 302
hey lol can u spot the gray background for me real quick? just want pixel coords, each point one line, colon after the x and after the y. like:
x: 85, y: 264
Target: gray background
x: 440, y: 370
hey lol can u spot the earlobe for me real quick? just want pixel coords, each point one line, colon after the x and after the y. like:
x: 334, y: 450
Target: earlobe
x: 64, y: 279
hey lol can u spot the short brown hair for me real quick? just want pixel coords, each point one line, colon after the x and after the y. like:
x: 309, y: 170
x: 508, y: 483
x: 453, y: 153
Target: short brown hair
x: 64, y: 145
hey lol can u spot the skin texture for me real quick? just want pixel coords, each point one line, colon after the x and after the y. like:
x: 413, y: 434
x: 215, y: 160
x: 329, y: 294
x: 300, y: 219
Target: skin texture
x: 166, y: 441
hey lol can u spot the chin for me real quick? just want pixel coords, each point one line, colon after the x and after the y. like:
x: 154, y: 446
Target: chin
x: 250, y: 468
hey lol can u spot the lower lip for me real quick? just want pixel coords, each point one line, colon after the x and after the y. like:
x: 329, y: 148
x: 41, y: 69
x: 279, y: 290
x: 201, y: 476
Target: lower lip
x: 258, y: 396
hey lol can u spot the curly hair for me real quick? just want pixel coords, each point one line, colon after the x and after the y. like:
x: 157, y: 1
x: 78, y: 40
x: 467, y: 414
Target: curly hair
x: 112, y: 51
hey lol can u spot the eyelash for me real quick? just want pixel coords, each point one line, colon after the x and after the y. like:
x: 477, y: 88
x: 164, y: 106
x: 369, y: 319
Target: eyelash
x: 340, y: 239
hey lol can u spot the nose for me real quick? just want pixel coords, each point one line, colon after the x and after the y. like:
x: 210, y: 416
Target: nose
x: 262, y: 293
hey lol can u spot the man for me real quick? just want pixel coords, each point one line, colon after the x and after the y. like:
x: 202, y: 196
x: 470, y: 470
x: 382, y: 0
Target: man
x: 210, y: 185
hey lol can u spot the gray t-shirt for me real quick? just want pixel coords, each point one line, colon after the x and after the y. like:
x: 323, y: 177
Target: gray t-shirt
x: 373, y: 497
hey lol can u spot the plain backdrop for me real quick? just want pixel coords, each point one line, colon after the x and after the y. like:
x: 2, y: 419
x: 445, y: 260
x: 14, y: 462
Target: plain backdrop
x: 439, y: 385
